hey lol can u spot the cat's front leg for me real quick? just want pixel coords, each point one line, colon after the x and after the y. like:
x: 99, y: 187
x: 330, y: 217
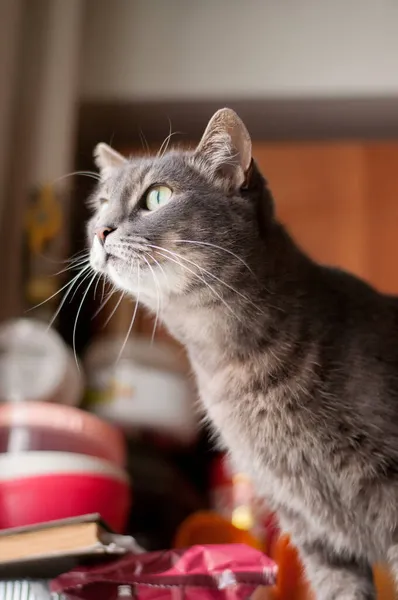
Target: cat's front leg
x: 335, y: 577
x: 332, y: 575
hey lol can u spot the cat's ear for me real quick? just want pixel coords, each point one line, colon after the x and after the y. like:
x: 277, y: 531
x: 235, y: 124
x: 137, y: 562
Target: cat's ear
x: 107, y: 159
x: 226, y: 146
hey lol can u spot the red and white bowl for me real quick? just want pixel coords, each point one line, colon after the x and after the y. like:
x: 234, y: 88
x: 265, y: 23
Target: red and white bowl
x: 54, y: 427
x: 36, y: 487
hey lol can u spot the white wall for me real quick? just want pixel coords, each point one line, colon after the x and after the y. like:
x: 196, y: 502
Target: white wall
x: 138, y: 49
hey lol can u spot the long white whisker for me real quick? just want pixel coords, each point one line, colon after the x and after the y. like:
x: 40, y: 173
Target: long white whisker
x: 104, y: 302
x: 114, y: 309
x: 76, y: 265
x: 163, y: 148
x: 77, y: 254
x: 230, y: 287
x: 133, y: 317
x: 69, y: 283
x: 78, y: 257
x: 91, y: 174
x: 84, y: 279
x: 72, y: 283
x: 144, y: 142
x: 67, y: 261
x: 209, y: 244
x: 77, y: 318
x: 215, y: 246
x: 103, y: 288
x: 96, y: 285
x: 203, y: 281
x: 157, y: 298
x: 168, y: 141
x: 179, y: 256
x: 159, y: 154
x: 160, y: 267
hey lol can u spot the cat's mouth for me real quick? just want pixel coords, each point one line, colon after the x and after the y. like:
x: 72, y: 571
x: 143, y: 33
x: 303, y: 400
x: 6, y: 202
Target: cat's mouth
x: 102, y: 262
x: 102, y: 257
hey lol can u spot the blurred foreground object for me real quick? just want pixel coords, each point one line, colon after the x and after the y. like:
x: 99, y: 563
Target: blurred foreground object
x: 141, y: 386
x: 223, y: 572
x: 45, y: 551
x: 233, y: 497
x: 35, y: 364
x: 41, y: 426
x: 56, y: 461
x: 36, y: 487
x: 207, y: 527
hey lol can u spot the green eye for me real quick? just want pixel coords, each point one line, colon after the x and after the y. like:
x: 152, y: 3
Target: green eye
x: 158, y: 196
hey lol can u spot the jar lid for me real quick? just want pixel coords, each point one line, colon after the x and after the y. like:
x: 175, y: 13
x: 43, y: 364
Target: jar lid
x: 33, y: 361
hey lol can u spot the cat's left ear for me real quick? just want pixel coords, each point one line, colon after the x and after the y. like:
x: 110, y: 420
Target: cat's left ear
x: 226, y: 147
x: 107, y: 159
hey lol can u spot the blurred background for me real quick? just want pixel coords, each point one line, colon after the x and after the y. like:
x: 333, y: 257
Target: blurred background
x: 316, y: 83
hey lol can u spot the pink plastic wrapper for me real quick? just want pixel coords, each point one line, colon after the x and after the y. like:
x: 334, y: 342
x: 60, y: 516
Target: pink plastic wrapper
x: 214, y: 572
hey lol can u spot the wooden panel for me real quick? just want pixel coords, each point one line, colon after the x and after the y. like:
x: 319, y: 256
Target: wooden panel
x: 318, y: 190
x: 382, y: 226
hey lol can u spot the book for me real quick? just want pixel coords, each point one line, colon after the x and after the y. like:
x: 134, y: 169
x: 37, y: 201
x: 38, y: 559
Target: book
x: 48, y: 549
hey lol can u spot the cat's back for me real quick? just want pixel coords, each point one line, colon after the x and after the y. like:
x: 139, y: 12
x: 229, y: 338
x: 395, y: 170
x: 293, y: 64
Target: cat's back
x: 353, y: 317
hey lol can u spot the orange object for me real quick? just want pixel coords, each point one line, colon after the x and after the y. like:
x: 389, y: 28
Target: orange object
x: 291, y: 582
x: 207, y: 527
x: 384, y: 584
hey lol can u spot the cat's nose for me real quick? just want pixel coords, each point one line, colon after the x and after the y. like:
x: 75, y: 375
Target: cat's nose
x: 103, y: 232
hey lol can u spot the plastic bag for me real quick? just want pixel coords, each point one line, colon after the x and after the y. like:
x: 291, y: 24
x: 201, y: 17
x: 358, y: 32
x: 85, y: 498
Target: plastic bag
x: 216, y: 572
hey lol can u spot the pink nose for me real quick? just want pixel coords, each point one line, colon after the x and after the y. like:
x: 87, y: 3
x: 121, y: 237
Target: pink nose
x: 103, y: 232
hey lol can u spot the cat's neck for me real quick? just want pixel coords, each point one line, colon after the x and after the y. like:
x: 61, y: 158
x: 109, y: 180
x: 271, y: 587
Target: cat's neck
x: 236, y: 326
x: 212, y: 336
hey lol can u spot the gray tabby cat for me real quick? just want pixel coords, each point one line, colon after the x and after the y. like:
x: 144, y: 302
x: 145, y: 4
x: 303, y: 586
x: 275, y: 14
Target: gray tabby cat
x: 296, y: 363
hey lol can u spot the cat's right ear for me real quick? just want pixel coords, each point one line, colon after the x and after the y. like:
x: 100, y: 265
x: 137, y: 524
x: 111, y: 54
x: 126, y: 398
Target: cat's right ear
x: 107, y: 159
x: 226, y: 147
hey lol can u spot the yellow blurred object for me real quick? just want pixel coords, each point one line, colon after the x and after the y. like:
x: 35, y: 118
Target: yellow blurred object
x: 207, y: 527
x: 41, y: 288
x: 242, y: 518
x: 43, y: 220
x: 233, y: 498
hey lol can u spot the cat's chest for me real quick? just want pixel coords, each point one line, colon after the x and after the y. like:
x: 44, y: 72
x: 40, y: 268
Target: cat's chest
x: 253, y: 419
x: 266, y: 439
x: 276, y: 449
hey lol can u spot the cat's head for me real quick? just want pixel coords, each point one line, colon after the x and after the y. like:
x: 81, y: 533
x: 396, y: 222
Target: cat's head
x: 180, y: 221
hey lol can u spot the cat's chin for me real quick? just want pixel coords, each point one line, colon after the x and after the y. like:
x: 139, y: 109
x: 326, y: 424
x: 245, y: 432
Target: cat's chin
x: 98, y: 257
x: 116, y: 277
x: 127, y: 282
x: 107, y: 264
